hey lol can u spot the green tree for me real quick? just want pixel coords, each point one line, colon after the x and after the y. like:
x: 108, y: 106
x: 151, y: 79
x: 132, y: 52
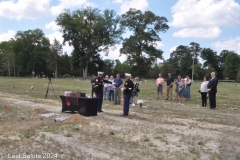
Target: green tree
x: 122, y: 68
x: 8, y: 56
x: 211, y: 58
x: 108, y: 66
x: 155, y: 70
x: 64, y: 66
x: 31, y: 49
x: 238, y: 76
x: 231, y: 65
x: 56, y: 51
x: 140, y: 46
x: 89, y: 32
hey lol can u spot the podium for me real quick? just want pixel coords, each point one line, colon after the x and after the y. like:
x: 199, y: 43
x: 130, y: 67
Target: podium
x: 83, y: 105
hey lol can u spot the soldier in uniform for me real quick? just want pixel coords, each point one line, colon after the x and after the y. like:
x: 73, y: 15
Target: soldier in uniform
x: 127, y: 93
x: 98, y: 85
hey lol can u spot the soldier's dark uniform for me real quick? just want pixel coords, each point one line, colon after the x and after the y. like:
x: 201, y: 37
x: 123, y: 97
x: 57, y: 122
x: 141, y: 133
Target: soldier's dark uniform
x: 98, y: 88
x: 127, y: 95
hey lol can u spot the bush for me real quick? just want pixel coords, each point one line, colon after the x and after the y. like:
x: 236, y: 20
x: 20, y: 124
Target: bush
x: 238, y: 76
x: 66, y: 76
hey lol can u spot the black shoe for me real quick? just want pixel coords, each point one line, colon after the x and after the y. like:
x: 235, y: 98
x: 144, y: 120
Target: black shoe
x: 166, y: 99
x: 99, y: 111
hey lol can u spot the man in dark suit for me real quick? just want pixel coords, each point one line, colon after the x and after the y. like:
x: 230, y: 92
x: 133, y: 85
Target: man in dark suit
x: 212, y: 90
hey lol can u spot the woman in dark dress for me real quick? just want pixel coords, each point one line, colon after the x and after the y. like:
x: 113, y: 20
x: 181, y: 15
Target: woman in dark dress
x: 135, y: 90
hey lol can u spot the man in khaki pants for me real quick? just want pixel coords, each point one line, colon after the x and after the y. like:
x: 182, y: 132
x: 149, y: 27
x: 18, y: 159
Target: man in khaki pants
x: 169, y: 83
x: 117, y: 91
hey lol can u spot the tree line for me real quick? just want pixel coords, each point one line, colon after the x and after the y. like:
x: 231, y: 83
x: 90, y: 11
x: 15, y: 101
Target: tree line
x: 91, y: 32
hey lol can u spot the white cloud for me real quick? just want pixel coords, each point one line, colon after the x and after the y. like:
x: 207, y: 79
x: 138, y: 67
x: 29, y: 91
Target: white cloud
x: 118, y: 1
x: 159, y: 44
x: 127, y: 4
x: 231, y: 44
x: 205, y: 13
x: 173, y: 49
x: 205, y: 33
x: 28, y: 9
x: 114, y: 54
x: 32, y: 9
x: 52, y: 25
x: 7, y: 36
x: 66, y: 4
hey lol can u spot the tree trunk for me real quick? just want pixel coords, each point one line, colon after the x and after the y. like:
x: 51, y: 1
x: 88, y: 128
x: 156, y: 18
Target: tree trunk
x: 85, y: 70
x: 18, y: 68
x: 56, y: 70
x: 9, y: 72
x: 14, y: 70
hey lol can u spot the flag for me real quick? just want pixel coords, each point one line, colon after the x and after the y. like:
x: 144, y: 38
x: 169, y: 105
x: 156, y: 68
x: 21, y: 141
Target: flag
x: 68, y: 103
x: 5, y: 106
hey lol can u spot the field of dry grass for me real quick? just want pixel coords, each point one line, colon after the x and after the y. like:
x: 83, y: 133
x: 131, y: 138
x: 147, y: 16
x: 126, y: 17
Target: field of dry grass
x: 161, y: 129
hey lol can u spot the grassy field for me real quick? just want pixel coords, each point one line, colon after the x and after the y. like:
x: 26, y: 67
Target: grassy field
x: 161, y: 129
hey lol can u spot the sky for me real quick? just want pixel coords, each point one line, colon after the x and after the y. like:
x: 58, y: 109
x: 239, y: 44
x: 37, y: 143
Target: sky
x: 212, y: 24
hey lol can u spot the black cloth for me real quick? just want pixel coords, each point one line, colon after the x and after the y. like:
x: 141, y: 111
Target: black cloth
x: 169, y: 81
x: 212, y: 84
x: 128, y: 87
x: 204, y: 98
x: 135, y: 89
x: 98, y: 85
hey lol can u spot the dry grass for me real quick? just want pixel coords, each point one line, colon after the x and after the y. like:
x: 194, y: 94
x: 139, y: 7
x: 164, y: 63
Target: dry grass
x: 160, y: 130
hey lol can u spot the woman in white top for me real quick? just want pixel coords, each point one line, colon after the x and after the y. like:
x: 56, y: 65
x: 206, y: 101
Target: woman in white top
x: 203, y: 91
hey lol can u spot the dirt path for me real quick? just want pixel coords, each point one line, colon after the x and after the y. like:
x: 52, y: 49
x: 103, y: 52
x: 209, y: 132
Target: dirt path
x: 148, y: 133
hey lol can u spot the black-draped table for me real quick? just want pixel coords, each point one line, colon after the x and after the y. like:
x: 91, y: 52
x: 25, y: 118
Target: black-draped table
x: 83, y: 105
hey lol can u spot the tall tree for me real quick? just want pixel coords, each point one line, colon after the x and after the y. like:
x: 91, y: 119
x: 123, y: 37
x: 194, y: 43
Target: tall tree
x: 8, y: 61
x: 56, y: 51
x: 141, y: 46
x: 238, y: 76
x: 108, y: 66
x: 211, y: 58
x: 64, y: 66
x: 89, y: 32
x: 31, y: 48
x: 123, y: 68
x: 231, y: 65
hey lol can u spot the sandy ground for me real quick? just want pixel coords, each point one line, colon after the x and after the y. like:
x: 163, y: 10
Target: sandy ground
x: 161, y: 132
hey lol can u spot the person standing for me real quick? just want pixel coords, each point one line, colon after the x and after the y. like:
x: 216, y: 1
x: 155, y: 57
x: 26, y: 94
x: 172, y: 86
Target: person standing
x: 128, y: 87
x: 203, y: 91
x: 135, y: 91
x: 212, y: 90
x: 111, y: 90
x: 181, y: 88
x: 177, y: 82
x: 188, y: 88
x: 169, y: 86
x: 98, y: 85
x: 159, y: 83
x: 117, y: 91
x: 92, y: 81
x: 105, y: 95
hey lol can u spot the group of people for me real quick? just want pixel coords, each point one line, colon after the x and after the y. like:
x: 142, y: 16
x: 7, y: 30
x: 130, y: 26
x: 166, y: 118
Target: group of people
x: 208, y: 89
x: 111, y: 89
